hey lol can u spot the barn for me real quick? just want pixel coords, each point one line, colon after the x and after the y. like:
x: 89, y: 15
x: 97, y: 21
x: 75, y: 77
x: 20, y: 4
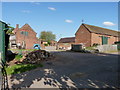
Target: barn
x: 65, y: 43
x: 90, y: 35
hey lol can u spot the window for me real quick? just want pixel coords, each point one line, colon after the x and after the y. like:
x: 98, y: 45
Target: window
x: 24, y: 33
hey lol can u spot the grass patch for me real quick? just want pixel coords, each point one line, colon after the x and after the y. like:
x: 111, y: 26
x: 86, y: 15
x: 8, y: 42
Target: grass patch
x: 22, y: 49
x: 19, y: 68
x: 89, y: 48
x: 18, y: 57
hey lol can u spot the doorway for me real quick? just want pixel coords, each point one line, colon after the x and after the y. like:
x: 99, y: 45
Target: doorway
x: 104, y: 40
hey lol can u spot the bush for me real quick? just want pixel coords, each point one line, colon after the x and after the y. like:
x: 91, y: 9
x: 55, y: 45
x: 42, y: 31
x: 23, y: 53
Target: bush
x: 46, y: 44
x: 117, y: 42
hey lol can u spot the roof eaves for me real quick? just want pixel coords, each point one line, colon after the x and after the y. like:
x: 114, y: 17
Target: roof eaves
x: 87, y: 28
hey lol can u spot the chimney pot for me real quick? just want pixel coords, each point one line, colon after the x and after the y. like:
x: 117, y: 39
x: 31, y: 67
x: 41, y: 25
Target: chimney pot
x: 17, y: 26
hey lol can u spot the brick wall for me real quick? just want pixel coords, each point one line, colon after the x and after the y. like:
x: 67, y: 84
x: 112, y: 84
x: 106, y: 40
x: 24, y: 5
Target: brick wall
x: 88, y: 39
x: 112, y: 39
x: 30, y: 39
x: 65, y: 45
x: 96, y: 38
x: 83, y: 36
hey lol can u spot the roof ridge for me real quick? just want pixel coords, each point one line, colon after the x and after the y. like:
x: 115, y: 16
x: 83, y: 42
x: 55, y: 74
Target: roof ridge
x: 101, y: 27
x: 101, y: 30
x: 66, y: 40
x: 25, y: 25
x: 69, y: 37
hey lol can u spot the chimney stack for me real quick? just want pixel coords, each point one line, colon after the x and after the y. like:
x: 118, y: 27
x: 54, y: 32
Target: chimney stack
x: 15, y: 30
x: 17, y: 26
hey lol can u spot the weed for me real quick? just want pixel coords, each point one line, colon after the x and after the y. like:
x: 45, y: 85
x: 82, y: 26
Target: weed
x: 18, y: 57
x: 19, y: 68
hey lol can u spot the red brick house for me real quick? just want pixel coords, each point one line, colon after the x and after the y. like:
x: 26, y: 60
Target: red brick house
x: 65, y: 43
x: 90, y: 35
x: 26, y: 37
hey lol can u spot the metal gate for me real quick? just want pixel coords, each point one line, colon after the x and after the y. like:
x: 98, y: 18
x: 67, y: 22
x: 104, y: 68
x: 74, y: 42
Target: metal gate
x: 3, y: 48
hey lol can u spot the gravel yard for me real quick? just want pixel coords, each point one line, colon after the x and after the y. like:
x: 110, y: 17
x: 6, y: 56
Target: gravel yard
x: 71, y: 70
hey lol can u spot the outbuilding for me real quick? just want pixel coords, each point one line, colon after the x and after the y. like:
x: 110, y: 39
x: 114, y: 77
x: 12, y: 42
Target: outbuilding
x: 65, y: 43
x: 91, y: 35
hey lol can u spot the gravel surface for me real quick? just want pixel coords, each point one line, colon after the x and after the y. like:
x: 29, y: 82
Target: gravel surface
x: 71, y: 70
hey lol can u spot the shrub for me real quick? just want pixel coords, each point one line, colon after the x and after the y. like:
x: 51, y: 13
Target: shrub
x: 46, y: 44
x: 117, y: 42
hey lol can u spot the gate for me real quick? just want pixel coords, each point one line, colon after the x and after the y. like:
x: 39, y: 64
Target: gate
x: 3, y: 49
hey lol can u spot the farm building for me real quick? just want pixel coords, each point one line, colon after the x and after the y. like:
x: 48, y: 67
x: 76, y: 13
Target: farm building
x: 90, y: 35
x: 65, y: 43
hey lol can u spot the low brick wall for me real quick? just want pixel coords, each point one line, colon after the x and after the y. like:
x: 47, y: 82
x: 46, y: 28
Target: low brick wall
x: 107, y: 48
x: 50, y: 48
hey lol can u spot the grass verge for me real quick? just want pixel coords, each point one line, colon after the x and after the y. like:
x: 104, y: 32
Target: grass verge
x: 19, y: 68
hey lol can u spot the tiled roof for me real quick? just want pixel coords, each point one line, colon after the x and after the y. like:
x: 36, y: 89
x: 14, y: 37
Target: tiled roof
x: 67, y: 40
x: 27, y: 27
x: 100, y: 30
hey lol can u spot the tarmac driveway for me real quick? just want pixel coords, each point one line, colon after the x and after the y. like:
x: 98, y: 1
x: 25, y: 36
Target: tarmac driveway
x: 71, y: 70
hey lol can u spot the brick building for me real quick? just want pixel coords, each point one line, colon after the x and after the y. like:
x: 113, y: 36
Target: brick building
x: 65, y: 43
x: 90, y: 35
x: 25, y: 37
x: 53, y: 43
